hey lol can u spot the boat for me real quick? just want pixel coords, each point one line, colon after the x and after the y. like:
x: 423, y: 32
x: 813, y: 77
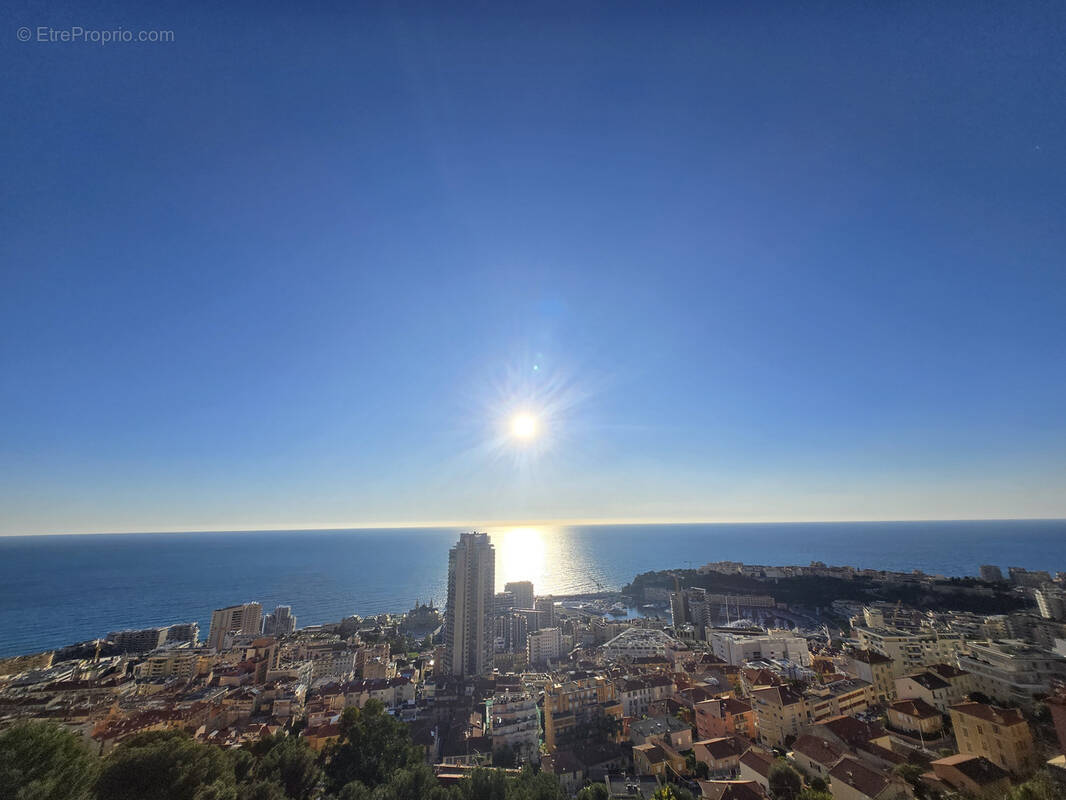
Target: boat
x: 618, y: 610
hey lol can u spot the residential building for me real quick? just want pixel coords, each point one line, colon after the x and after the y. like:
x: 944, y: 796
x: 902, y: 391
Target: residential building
x: 633, y: 643
x: 546, y: 607
x: 876, y: 669
x: 911, y: 650
x: 739, y: 648
x: 851, y: 779
x: 1012, y: 671
x: 544, y: 645
x: 183, y: 632
x: 179, y: 662
x: 972, y: 776
x: 999, y: 734
x: 725, y: 716
x: 780, y: 714
x: 915, y: 717
x: 637, y: 694
x: 138, y: 641
x: 245, y: 619
x: 721, y: 755
x: 522, y: 591
x: 755, y: 765
x: 513, y: 722
x: 657, y: 760
x: 280, y: 622
x: 816, y: 755
x: 930, y: 688
x: 1032, y: 579
x: 666, y: 730
x: 850, y: 696
x: 468, y: 640
x: 1052, y: 603
x: 571, y: 706
x: 991, y: 573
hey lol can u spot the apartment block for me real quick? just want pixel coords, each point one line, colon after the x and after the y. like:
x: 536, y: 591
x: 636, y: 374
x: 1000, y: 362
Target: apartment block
x: 569, y: 706
x: 999, y: 734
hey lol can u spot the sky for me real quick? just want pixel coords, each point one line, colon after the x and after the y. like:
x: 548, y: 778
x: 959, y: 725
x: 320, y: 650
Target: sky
x: 302, y: 265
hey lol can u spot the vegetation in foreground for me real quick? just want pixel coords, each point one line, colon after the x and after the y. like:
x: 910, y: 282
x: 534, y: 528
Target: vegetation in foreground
x: 373, y: 760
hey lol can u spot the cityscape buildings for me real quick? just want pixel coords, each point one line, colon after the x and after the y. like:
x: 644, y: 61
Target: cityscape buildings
x: 846, y: 697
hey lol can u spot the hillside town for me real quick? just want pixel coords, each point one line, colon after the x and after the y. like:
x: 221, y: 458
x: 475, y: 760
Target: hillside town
x: 684, y: 681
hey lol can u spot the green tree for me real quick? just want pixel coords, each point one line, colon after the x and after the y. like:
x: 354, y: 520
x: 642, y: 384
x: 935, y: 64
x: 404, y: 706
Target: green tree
x: 261, y: 790
x: 595, y: 791
x: 354, y: 791
x: 1040, y: 787
x: 818, y: 784
x: 291, y: 763
x: 785, y: 782
x: 411, y: 783
x: 813, y: 794
x: 43, y: 761
x: 372, y: 745
x: 166, y: 765
x: 531, y: 784
x: 672, y: 793
x: 484, y: 784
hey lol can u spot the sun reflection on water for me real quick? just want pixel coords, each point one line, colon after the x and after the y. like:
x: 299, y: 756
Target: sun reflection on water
x: 519, y: 556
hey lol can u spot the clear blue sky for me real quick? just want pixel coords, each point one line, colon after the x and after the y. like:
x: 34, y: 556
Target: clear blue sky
x: 298, y: 266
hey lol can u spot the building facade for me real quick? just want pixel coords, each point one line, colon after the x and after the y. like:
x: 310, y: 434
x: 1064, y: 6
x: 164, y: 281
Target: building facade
x: 245, y: 619
x: 999, y: 734
x: 468, y: 631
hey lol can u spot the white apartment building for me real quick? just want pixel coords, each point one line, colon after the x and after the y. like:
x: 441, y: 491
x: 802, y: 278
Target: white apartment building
x: 738, y: 648
x: 1011, y: 670
x: 544, y: 645
x: 910, y: 651
x: 639, y: 643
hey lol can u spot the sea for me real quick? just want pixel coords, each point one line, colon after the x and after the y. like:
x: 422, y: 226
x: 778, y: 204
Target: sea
x: 57, y: 590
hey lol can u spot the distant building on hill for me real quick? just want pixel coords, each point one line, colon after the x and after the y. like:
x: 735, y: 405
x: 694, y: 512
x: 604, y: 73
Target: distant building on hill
x: 243, y: 619
x: 280, y: 622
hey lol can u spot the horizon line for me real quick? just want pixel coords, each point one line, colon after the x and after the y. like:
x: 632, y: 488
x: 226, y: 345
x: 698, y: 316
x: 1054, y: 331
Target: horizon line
x: 492, y: 524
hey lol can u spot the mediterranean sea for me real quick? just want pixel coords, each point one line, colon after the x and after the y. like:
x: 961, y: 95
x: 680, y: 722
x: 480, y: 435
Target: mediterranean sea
x: 57, y: 590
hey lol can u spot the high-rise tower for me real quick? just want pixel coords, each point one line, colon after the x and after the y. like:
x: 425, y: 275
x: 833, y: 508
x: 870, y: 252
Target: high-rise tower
x: 468, y: 630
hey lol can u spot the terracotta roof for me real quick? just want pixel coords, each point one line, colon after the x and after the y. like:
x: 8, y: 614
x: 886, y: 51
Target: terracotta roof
x: 731, y: 790
x: 758, y: 761
x: 869, y: 657
x: 977, y: 768
x: 779, y: 695
x: 917, y: 708
x: 946, y: 671
x: 929, y: 680
x: 993, y: 714
x: 654, y: 753
x: 851, y: 730
x: 852, y: 772
x: 723, y: 747
x: 818, y: 750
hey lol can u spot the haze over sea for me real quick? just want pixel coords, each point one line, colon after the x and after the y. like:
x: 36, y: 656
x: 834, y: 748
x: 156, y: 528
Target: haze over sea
x: 56, y: 590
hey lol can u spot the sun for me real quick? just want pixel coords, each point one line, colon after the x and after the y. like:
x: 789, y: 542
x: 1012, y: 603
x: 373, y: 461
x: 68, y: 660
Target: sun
x: 523, y: 426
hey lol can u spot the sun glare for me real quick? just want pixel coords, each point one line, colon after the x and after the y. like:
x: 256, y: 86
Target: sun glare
x: 524, y: 426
